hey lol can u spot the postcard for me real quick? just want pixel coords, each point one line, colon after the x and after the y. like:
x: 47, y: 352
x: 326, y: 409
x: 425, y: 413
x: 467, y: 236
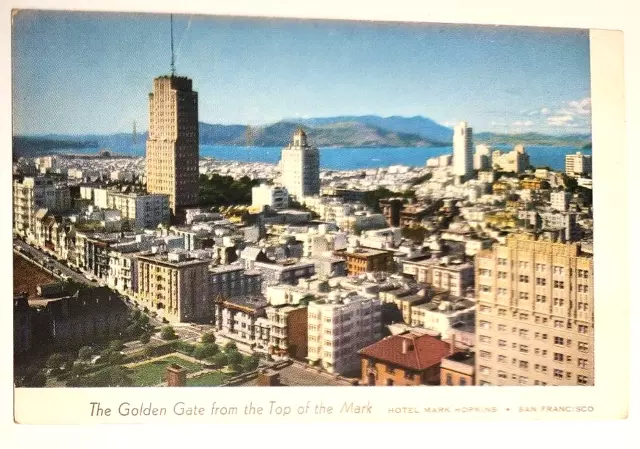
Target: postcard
x: 206, y: 206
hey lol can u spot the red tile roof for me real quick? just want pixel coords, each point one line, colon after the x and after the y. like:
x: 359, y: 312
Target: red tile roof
x: 424, y: 351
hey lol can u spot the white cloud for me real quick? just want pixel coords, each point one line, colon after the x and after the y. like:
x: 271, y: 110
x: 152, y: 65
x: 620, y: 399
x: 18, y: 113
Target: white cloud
x: 522, y: 123
x: 560, y: 120
x: 545, y: 111
x: 494, y: 123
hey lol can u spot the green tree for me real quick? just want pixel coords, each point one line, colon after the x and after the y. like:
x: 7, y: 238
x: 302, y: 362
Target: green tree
x: 250, y: 363
x: 85, y: 353
x: 220, y: 360
x: 235, y: 360
x: 167, y: 333
x: 230, y: 347
x: 205, y: 350
x: 144, y: 320
x: 208, y: 337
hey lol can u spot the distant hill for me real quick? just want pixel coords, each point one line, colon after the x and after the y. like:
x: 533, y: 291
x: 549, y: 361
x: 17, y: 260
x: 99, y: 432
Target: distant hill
x: 342, y: 131
x: 421, y: 126
x: 569, y: 140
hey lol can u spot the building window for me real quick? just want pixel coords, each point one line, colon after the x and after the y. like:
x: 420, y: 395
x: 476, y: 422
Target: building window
x: 558, y: 324
x: 463, y: 381
x: 502, y: 374
x: 523, y: 364
x: 449, y: 379
x: 582, y: 363
x: 582, y: 329
x: 524, y: 316
x: 485, y: 324
x: 502, y: 358
x: 558, y: 341
x: 558, y: 373
x: 485, y: 370
x: 390, y: 370
x: 502, y: 312
x: 523, y: 295
x: 558, y: 357
x: 524, y: 333
x: 502, y: 343
x: 485, y: 354
x: 541, y: 281
x: 583, y: 347
x: 485, y: 339
x: 389, y: 382
x: 541, y: 298
x: 502, y: 327
x: 582, y: 380
x: 558, y: 284
x: 524, y: 349
x: 524, y: 279
x: 523, y: 380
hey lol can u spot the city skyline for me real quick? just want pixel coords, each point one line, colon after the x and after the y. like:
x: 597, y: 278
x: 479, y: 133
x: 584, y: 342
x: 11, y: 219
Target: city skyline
x: 260, y: 71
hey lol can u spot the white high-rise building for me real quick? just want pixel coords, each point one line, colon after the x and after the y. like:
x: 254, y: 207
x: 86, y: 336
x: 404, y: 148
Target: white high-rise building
x: 300, y: 166
x: 339, y: 327
x: 577, y: 164
x: 462, y: 150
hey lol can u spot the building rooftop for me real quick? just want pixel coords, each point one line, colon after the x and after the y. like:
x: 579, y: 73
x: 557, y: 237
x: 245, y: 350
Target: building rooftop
x: 466, y: 357
x: 412, y: 351
x: 249, y: 304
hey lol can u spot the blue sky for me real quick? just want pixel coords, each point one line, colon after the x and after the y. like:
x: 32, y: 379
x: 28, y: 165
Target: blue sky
x: 79, y: 73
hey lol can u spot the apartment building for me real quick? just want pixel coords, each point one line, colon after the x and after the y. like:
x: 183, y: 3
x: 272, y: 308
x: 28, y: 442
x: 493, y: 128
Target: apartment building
x: 141, y: 210
x: 33, y: 193
x: 577, y: 165
x: 242, y: 319
x: 233, y: 281
x: 366, y: 260
x: 175, y: 285
x: 560, y: 200
x: 275, y: 197
x: 338, y: 327
x: 444, y: 314
x: 534, y: 315
x: 454, y: 277
x: 515, y: 161
x: 288, y: 330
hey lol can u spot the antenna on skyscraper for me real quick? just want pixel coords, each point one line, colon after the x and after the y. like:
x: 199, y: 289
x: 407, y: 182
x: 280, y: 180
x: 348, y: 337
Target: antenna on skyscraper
x: 173, y: 66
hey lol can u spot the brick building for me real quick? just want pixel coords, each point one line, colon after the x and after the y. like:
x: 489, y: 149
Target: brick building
x: 406, y: 360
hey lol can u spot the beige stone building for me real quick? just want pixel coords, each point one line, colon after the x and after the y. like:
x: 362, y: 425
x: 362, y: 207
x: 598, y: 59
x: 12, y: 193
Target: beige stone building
x: 172, y: 146
x: 534, y: 315
x: 176, y: 286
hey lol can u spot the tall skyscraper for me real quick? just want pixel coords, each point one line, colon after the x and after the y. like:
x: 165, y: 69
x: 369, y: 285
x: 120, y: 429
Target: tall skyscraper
x: 462, y: 150
x: 300, y: 166
x: 172, y: 145
x: 534, y: 316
